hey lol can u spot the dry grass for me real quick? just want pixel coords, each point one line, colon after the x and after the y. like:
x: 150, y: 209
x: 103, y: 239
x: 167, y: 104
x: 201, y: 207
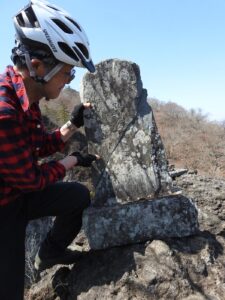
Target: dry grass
x: 190, y: 139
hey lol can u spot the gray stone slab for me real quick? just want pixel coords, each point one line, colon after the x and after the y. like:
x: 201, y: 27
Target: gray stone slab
x: 122, y: 130
x: 171, y: 216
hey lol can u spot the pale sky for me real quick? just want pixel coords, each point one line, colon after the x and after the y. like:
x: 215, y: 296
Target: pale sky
x: 179, y: 45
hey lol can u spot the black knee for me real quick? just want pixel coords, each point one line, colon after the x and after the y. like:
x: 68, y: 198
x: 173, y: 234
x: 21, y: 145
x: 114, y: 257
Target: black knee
x: 78, y: 196
x: 85, y: 196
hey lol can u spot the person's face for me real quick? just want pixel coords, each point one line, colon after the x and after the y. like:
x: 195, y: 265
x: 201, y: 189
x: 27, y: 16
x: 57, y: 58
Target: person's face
x: 55, y: 85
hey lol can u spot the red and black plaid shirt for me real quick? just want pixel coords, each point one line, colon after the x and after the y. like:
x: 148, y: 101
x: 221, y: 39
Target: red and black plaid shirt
x: 22, y: 141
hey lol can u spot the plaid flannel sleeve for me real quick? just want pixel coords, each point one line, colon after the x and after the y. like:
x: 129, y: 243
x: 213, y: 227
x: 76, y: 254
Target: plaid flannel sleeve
x: 17, y: 164
x: 52, y: 143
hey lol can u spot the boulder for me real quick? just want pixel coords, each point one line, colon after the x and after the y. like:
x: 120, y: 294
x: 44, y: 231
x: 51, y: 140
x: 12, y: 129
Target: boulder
x: 122, y: 130
x: 172, y: 216
x: 133, y: 167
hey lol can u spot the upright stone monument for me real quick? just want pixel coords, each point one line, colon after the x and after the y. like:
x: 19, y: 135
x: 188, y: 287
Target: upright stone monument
x: 133, y: 167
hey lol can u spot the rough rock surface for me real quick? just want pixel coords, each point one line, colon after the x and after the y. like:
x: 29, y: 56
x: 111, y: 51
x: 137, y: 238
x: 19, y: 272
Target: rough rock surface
x: 133, y: 166
x: 190, y: 268
x: 169, y: 216
x: 35, y: 233
x: 122, y: 130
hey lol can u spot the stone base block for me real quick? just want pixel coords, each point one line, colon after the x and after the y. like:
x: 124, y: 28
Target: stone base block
x: 170, y: 216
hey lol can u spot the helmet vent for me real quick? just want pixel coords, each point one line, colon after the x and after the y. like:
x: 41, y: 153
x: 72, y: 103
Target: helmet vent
x: 74, y: 23
x: 65, y: 48
x: 83, y: 49
x: 28, y: 19
x: 62, y: 26
x: 31, y: 17
x: 20, y: 20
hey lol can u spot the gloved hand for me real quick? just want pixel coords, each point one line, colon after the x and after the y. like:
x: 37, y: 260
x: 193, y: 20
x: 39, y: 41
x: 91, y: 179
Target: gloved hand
x: 84, y: 160
x: 77, y: 115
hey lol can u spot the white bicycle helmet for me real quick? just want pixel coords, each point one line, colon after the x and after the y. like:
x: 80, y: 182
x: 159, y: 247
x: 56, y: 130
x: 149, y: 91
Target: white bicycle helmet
x: 48, y: 25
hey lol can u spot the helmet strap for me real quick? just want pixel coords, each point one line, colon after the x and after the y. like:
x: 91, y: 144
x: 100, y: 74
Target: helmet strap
x: 53, y: 71
x: 48, y: 76
x: 29, y: 65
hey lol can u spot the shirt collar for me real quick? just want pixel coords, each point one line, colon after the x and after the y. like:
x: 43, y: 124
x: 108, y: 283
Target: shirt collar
x: 19, y: 87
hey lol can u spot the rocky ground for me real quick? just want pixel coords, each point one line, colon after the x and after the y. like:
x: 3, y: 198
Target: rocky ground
x: 191, y: 268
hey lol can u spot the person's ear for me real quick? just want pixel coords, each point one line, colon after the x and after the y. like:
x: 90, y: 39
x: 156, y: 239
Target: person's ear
x: 38, y: 67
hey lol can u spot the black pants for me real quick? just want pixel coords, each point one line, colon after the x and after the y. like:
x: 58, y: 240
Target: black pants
x: 66, y: 200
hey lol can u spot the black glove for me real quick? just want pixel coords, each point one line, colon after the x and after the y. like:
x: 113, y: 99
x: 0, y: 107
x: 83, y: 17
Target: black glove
x: 77, y: 115
x: 84, y: 160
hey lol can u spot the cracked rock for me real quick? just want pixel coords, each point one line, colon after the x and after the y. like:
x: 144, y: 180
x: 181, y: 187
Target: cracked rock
x: 122, y: 130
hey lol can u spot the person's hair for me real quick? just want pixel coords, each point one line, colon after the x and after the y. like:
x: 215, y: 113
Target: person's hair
x: 34, y: 51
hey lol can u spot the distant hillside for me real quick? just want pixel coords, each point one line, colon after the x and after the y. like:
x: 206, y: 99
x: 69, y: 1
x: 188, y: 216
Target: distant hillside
x: 190, y: 140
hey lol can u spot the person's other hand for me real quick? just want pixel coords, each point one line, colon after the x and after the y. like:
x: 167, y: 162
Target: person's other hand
x: 84, y: 160
x: 77, y: 117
